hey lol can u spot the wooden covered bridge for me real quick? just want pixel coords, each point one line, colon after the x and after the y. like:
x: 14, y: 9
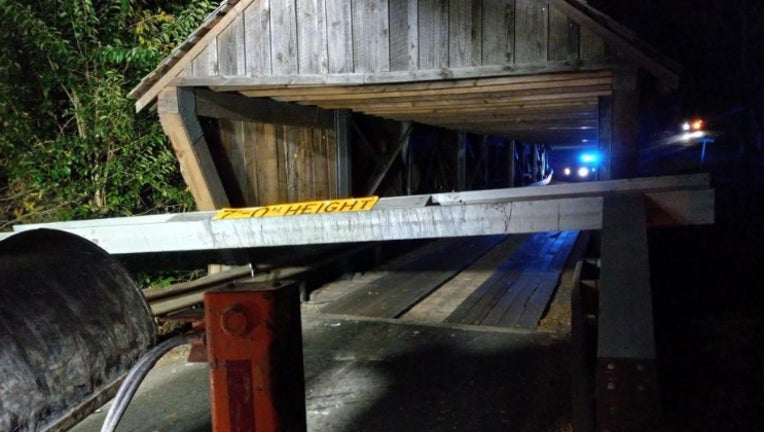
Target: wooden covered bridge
x: 285, y: 100
x: 440, y: 107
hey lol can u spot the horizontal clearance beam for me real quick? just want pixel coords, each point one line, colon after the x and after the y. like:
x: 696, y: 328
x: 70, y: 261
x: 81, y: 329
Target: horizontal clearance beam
x: 270, y: 83
x: 498, y: 90
x: 585, y: 102
x: 467, y: 101
x: 482, y: 107
x: 489, y: 117
x: 473, y: 214
x: 571, y: 95
x: 529, y: 99
x: 237, y: 107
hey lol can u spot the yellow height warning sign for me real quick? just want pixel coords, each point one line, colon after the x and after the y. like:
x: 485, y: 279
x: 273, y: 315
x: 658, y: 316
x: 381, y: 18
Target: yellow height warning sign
x: 301, y: 208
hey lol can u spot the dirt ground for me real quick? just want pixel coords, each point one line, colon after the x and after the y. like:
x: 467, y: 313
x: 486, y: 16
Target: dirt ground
x: 708, y: 299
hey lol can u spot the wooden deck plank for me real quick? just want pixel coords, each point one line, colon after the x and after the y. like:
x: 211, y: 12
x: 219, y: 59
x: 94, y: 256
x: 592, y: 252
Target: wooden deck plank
x: 474, y: 309
x: 526, y: 263
x: 400, y: 288
x: 518, y: 292
x: 445, y: 300
x: 529, y: 263
x: 538, y: 298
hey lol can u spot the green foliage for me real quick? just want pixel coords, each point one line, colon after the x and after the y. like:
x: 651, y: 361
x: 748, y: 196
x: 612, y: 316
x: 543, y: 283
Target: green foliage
x: 70, y: 144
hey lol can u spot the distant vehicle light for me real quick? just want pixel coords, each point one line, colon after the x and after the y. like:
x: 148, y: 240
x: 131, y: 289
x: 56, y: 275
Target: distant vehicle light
x: 697, y: 125
x: 583, y: 172
x: 685, y: 126
x: 590, y: 158
x: 566, y: 171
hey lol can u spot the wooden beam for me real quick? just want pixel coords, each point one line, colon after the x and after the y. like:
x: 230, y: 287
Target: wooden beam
x: 461, y: 161
x: 177, y: 114
x: 624, y: 162
x: 237, y: 107
x: 605, y: 135
x: 256, y: 82
x: 503, y: 100
x: 514, y: 101
x: 589, y: 102
x: 496, y: 116
x: 548, y: 80
x: 438, y: 90
x: 395, y: 219
x: 481, y: 105
x: 342, y: 143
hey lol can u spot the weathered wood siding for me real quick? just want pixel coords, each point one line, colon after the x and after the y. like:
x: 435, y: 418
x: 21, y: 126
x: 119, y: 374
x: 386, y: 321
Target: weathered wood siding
x: 279, y: 163
x: 319, y: 37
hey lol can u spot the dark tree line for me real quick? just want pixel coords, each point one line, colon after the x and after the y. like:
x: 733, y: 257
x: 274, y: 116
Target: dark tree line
x: 71, y: 145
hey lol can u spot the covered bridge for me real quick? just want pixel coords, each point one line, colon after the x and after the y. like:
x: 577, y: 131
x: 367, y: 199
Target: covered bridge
x: 284, y: 100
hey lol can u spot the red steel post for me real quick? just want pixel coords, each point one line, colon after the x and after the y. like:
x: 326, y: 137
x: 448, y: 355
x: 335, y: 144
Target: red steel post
x: 254, y: 348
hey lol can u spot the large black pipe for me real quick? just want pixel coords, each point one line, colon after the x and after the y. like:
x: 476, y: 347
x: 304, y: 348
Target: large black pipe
x: 72, y: 323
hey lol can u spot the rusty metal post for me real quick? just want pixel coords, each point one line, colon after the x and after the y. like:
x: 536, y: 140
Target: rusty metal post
x: 254, y: 345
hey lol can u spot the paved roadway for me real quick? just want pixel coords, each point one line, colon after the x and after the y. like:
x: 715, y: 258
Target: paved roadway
x: 384, y: 375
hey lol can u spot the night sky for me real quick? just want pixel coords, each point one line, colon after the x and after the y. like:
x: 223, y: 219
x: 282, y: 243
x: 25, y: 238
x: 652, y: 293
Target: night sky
x: 720, y: 45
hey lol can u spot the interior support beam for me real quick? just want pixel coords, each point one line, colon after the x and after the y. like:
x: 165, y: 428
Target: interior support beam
x: 178, y: 116
x: 461, y: 161
x: 342, y: 143
x: 235, y: 106
x: 605, y: 136
x: 670, y: 201
x: 625, y: 144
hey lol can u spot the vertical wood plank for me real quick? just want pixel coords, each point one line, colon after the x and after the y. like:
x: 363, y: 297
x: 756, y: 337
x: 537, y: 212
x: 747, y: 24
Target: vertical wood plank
x: 311, y: 37
x: 257, y: 37
x: 433, y: 34
x: 250, y: 164
x: 531, y: 31
x: 306, y: 184
x: 498, y: 32
x: 288, y: 157
x: 331, y: 164
x: 465, y: 33
x: 343, y: 173
x: 371, y: 36
x: 231, y: 53
x: 404, y: 35
x: 283, y: 37
x: 321, y: 165
x: 206, y: 63
x: 563, y: 37
x: 339, y: 33
x: 592, y: 46
x: 266, y: 154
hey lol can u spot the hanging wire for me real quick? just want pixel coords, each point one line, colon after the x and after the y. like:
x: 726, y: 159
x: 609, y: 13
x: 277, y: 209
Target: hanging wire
x: 135, y: 377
